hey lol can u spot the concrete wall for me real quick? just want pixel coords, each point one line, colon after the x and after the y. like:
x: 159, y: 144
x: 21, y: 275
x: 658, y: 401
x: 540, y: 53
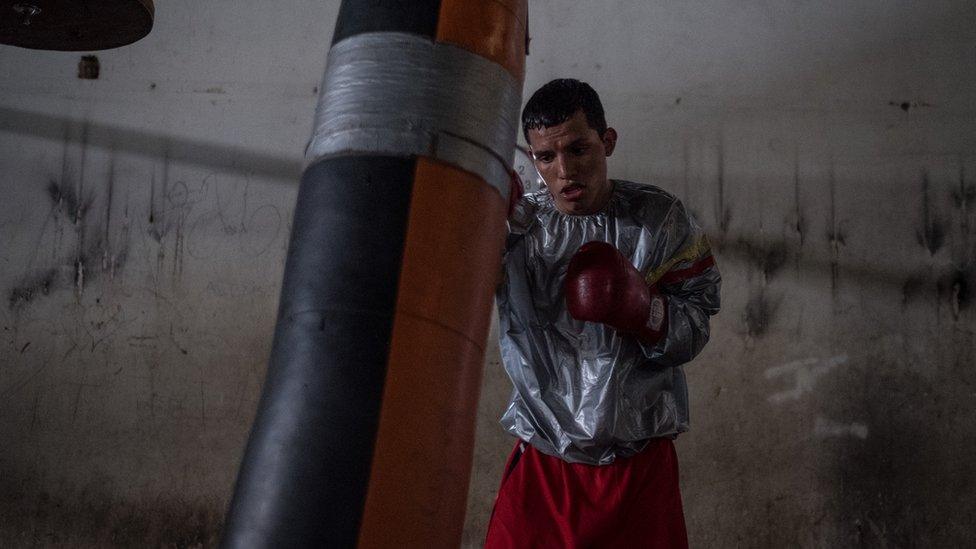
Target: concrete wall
x: 145, y: 219
x: 829, y: 148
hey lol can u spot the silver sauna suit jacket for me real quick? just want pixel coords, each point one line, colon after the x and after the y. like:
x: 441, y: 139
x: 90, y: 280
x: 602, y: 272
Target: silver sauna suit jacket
x: 583, y: 392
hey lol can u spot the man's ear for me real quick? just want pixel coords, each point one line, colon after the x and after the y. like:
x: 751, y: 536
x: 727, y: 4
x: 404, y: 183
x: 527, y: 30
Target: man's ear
x: 609, y: 140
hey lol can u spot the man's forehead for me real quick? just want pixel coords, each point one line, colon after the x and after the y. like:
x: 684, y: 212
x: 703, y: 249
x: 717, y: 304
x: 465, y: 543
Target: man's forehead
x: 574, y: 129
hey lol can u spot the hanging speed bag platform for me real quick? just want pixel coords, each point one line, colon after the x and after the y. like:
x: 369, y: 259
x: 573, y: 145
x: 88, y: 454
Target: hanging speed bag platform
x: 74, y: 25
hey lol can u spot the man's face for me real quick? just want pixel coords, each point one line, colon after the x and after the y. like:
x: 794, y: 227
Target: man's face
x: 572, y: 158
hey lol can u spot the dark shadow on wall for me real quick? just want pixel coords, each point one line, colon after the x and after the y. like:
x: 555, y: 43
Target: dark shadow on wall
x: 770, y: 256
x: 907, y: 482
x: 91, y: 516
x: 239, y: 159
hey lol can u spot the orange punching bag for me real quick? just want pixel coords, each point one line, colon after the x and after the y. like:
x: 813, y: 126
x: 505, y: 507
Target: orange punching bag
x: 365, y: 430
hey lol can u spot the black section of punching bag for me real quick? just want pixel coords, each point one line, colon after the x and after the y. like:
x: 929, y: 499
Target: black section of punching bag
x: 305, y: 472
x: 410, y: 16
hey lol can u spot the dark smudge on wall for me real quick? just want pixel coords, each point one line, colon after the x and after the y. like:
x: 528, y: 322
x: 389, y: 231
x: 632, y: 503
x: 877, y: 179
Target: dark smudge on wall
x: 84, y: 259
x: 768, y: 258
x: 912, y: 288
x: 956, y: 288
x: 759, y: 313
x: 40, y: 284
x: 932, y: 234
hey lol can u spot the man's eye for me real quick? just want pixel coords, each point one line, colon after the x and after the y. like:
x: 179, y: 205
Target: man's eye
x: 545, y: 159
x: 578, y: 151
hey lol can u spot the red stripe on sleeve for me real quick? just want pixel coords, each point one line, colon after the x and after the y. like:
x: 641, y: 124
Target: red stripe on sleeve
x: 674, y: 277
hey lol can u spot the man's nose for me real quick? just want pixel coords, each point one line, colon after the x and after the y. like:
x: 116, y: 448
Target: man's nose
x: 565, y: 168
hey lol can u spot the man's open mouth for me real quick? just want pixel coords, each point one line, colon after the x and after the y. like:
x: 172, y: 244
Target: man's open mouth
x: 572, y: 191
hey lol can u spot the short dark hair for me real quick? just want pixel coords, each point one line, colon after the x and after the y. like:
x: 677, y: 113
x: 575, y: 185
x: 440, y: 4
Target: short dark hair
x: 558, y: 101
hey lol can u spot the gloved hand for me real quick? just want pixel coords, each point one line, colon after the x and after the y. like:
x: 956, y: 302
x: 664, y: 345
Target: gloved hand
x: 602, y: 286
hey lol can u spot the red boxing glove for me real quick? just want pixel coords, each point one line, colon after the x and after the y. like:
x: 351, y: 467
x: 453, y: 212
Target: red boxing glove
x: 602, y: 286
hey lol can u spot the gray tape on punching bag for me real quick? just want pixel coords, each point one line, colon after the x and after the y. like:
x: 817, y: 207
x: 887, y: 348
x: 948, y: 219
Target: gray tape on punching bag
x: 401, y: 94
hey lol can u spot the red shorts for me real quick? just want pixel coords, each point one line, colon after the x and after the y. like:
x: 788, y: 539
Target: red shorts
x: 546, y: 502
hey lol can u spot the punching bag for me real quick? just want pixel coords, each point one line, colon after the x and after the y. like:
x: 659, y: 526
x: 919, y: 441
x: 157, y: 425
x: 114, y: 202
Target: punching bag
x: 365, y: 429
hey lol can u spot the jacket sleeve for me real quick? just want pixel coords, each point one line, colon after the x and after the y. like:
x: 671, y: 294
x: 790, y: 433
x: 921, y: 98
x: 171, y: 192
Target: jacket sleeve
x: 687, y: 275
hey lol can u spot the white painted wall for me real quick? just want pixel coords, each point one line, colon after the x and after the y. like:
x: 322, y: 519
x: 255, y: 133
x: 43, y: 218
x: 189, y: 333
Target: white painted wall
x: 832, y: 408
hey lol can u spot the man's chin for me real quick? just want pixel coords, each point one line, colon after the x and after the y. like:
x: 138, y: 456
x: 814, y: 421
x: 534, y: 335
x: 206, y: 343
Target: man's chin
x: 576, y: 207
